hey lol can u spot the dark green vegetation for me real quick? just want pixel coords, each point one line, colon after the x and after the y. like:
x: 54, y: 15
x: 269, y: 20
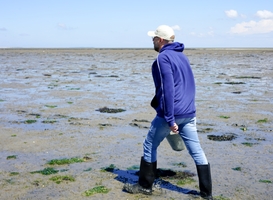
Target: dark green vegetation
x: 110, y: 110
x: 110, y: 168
x: 237, y: 169
x: 46, y: 171
x: 11, y: 157
x: 224, y: 137
x: 30, y: 121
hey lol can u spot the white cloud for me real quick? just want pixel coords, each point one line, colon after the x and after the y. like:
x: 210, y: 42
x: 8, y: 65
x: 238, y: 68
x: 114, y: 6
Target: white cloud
x: 175, y: 27
x: 264, y: 14
x: 231, y: 13
x: 253, y: 27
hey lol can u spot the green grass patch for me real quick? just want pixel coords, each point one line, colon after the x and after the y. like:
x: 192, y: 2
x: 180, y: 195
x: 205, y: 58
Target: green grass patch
x: 13, y: 135
x: 1, y: 100
x: 70, y: 102
x: 186, y: 181
x: 265, y: 120
x: 224, y: 117
x: 13, y: 173
x: 59, y: 179
x: 46, y: 171
x: 98, y: 189
x: 11, y: 157
x: 65, y: 161
x: 265, y: 181
x: 51, y: 106
x: 30, y: 121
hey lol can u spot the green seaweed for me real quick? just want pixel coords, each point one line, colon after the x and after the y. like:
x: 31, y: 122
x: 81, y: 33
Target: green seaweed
x: 221, y: 197
x: 234, y: 83
x: 181, y: 164
x: 185, y: 181
x: 108, y: 169
x: 30, y: 121
x: 224, y: 137
x: 65, y: 161
x: 13, y: 173
x: 110, y: 110
x: 134, y: 167
x: 51, y: 106
x: 11, y: 157
x: 98, y: 189
x: 248, y: 144
x: 265, y: 181
x: 49, y: 121
x: 237, y: 169
x: 224, y: 117
x: 87, y: 170
x: 262, y: 120
x: 46, y: 171
x: 59, y: 179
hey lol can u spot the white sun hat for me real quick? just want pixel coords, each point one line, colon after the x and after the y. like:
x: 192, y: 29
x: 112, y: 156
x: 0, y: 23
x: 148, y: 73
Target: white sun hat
x: 163, y: 31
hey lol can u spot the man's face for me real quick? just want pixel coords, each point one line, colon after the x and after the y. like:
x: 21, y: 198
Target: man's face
x: 156, y: 41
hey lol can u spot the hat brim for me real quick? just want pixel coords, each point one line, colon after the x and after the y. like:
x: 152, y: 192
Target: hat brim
x: 151, y: 33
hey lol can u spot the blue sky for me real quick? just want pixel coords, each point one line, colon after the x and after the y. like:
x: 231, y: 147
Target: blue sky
x: 118, y: 24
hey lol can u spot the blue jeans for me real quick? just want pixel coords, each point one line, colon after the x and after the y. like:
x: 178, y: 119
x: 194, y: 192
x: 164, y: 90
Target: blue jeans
x: 187, y: 129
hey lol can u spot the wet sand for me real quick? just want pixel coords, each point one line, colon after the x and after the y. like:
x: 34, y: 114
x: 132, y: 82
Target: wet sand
x: 62, y: 89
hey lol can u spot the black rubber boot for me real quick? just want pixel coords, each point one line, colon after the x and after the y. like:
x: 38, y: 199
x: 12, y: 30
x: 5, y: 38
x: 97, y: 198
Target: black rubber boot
x: 205, y: 183
x: 146, y: 179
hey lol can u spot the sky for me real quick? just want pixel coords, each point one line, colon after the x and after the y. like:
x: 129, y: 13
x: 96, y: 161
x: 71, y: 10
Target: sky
x: 124, y: 24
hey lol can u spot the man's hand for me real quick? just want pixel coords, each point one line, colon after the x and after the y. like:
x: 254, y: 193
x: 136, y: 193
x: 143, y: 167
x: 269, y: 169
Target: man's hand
x: 174, y: 128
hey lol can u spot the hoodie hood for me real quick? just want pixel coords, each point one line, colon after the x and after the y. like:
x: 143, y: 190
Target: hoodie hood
x: 175, y: 46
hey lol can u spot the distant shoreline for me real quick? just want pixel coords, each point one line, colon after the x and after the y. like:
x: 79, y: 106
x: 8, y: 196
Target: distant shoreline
x: 90, y: 48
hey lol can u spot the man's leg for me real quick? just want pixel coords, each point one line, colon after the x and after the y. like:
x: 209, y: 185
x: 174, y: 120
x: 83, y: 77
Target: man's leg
x: 191, y: 140
x: 158, y: 131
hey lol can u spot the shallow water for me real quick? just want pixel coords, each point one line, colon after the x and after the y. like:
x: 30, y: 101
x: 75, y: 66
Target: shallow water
x: 67, y: 86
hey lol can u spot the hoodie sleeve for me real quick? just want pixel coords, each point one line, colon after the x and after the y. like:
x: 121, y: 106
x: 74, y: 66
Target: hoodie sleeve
x: 167, y: 85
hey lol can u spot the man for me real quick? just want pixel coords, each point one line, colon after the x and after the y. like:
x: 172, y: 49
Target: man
x: 174, y: 102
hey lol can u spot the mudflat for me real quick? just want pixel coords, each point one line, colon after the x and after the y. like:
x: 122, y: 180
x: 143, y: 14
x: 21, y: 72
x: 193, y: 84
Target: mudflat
x: 72, y: 123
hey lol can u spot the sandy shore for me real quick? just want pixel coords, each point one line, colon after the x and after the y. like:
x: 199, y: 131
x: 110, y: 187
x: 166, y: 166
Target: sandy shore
x: 62, y: 91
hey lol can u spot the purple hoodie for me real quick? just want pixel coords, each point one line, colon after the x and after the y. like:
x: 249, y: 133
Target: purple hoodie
x: 174, y: 84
